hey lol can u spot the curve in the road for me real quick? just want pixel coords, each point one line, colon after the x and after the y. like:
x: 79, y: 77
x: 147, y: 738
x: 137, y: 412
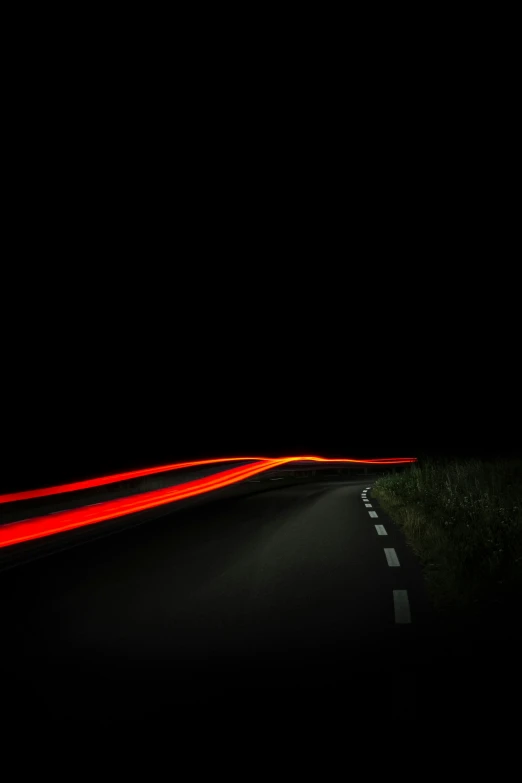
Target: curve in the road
x: 50, y: 524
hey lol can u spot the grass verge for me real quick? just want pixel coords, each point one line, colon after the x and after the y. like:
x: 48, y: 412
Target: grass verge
x: 463, y: 519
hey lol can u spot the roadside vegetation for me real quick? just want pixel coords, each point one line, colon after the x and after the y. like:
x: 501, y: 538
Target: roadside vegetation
x: 463, y: 519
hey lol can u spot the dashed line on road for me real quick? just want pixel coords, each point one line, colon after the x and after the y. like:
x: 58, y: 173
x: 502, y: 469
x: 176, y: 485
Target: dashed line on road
x: 391, y: 557
x: 401, y: 606
x: 401, y: 603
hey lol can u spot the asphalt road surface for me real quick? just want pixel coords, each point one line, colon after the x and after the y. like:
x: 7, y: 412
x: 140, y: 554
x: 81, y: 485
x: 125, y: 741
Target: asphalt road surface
x: 282, y: 599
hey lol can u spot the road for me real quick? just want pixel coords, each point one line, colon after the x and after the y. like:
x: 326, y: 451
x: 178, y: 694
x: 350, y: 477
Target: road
x: 284, y: 597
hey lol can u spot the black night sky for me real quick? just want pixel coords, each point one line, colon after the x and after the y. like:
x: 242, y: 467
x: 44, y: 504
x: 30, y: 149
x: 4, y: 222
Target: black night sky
x: 219, y: 288
x: 113, y: 375
x: 136, y: 337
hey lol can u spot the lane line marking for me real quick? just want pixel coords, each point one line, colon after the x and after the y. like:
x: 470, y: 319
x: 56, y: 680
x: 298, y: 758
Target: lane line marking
x: 401, y: 605
x: 381, y: 530
x: 391, y: 557
x: 368, y: 505
x: 373, y: 514
x: 279, y: 478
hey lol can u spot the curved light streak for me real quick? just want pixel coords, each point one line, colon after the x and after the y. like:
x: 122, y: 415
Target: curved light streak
x: 59, y: 522
x: 112, y: 479
x: 60, y: 489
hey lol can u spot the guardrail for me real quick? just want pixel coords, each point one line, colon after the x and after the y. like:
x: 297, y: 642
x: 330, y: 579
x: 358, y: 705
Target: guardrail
x: 306, y: 469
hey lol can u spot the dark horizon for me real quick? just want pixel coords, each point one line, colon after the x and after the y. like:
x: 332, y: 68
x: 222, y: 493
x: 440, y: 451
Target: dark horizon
x: 32, y: 474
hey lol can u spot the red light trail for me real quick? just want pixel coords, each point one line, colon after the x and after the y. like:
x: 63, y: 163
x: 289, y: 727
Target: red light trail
x: 116, y: 477
x: 58, y: 522
x: 103, y: 480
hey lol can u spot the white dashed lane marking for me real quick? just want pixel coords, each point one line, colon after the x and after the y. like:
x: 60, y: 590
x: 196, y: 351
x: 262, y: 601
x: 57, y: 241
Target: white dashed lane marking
x: 373, y: 514
x: 368, y: 505
x: 401, y: 605
x: 391, y: 557
x: 381, y: 530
